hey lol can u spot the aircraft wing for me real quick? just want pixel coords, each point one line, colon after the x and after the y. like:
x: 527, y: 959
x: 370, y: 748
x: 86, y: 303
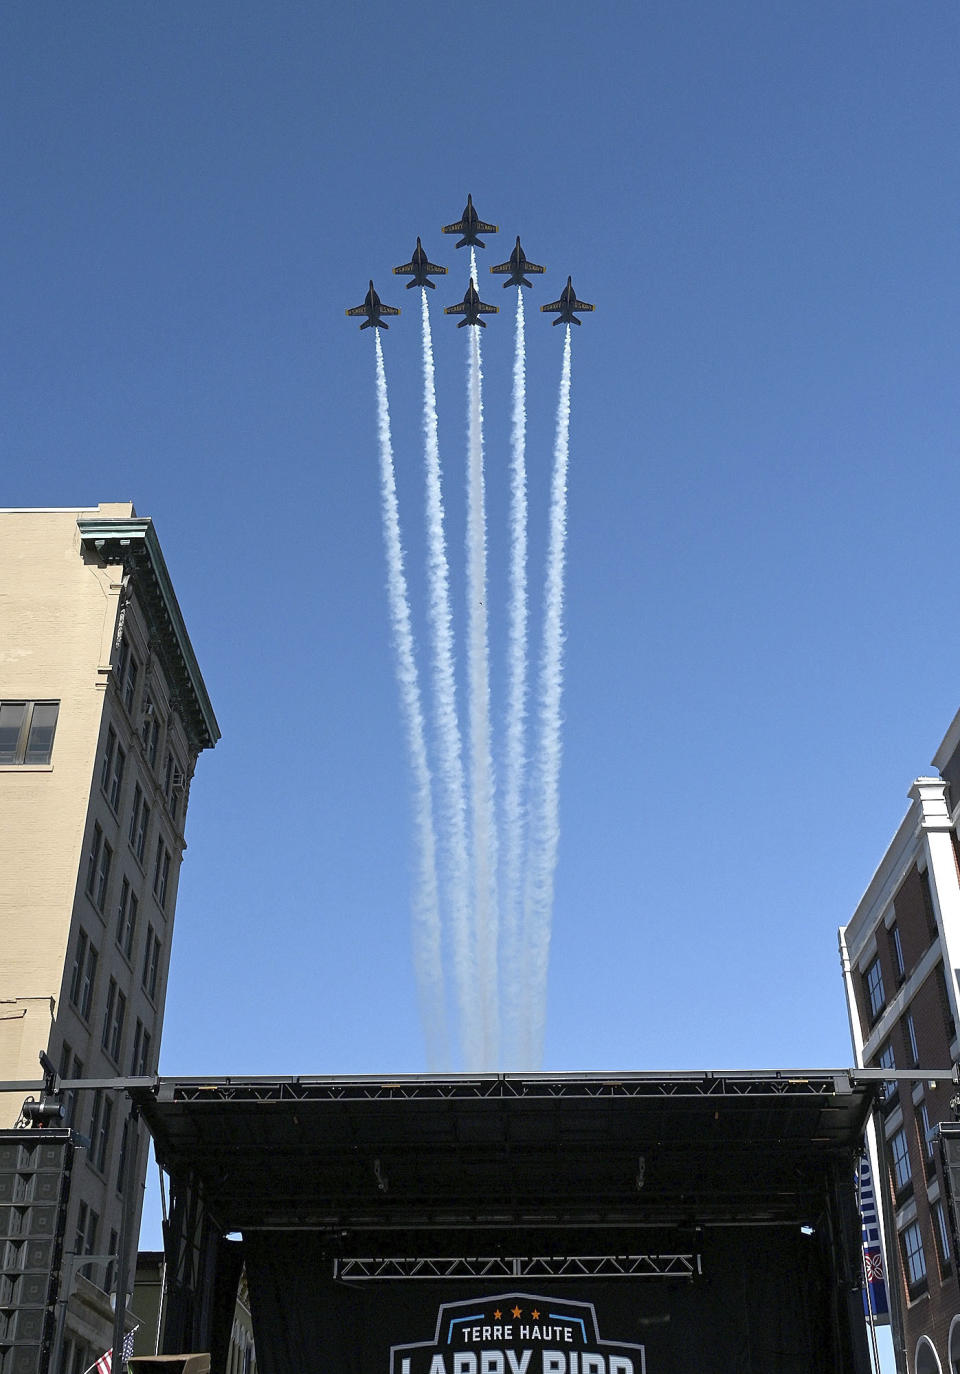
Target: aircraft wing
x: 582, y: 305
x: 532, y: 267
x: 502, y: 267
x: 482, y: 227
x: 488, y: 309
x: 554, y: 305
x: 356, y: 310
x: 393, y: 310
x: 460, y: 309
x: 458, y: 228
x: 407, y: 270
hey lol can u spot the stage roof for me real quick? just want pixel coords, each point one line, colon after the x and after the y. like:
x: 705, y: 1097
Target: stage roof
x: 410, y: 1160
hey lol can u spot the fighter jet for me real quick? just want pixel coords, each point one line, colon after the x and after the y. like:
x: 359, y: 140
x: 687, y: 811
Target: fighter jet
x: 567, y: 304
x: 472, y: 307
x: 470, y: 226
x: 373, y: 309
x: 418, y: 267
x: 516, y: 267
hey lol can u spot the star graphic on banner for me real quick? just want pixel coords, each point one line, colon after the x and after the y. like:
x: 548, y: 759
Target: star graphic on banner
x: 497, y: 1315
x: 518, y: 1311
x: 535, y: 1315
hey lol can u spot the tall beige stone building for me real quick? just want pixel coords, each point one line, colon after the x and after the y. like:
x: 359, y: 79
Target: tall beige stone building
x: 103, y: 712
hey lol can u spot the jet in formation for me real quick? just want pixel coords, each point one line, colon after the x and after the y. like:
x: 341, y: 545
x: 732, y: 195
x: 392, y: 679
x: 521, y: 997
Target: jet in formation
x: 470, y: 225
x: 373, y: 308
x: 517, y: 266
x: 419, y: 267
x: 567, y: 304
x: 472, y: 307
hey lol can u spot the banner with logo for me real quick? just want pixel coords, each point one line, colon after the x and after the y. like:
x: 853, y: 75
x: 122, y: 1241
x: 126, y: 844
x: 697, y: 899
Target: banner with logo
x: 766, y: 1291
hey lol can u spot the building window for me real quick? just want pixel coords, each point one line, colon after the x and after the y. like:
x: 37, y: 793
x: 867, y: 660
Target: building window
x: 928, y: 907
x: 88, y: 1222
x: 139, y: 821
x: 151, y: 963
x: 873, y: 982
x: 911, y: 1245
x: 70, y: 1067
x: 910, y: 1032
x: 127, y: 909
x: 70, y: 1098
x: 107, y: 764
x: 150, y: 732
x: 924, y: 1131
x: 900, y: 1160
x: 83, y: 975
x: 116, y: 779
x: 26, y: 731
x: 127, y: 670
x: 896, y: 952
x: 887, y: 1060
x: 103, y: 877
x: 140, y: 1063
x: 161, y: 873
x: 100, y: 1123
x: 113, y: 1018
x: 941, y: 1232
x: 93, y: 859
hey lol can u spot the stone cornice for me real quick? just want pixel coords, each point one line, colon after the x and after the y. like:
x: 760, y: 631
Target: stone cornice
x: 131, y: 543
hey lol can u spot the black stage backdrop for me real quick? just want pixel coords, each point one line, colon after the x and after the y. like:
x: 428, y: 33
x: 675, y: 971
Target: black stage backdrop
x: 767, y: 1300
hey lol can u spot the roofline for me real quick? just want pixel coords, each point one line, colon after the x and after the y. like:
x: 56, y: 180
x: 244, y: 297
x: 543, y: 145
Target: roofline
x: 132, y: 543
x: 948, y: 745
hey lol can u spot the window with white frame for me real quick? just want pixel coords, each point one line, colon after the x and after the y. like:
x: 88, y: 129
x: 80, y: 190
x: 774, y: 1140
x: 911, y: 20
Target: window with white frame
x: 873, y: 981
x: 900, y: 1160
x: 911, y: 1246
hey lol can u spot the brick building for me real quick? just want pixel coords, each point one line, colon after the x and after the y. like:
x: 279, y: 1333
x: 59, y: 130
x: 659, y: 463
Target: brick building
x: 900, y: 954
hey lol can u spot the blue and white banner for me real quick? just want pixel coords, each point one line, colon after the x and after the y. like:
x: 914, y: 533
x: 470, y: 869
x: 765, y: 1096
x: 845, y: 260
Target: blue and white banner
x: 875, y: 1291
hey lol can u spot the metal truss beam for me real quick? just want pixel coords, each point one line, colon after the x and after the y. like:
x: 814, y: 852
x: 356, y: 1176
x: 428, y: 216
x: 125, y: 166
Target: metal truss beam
x: 356, y: 1270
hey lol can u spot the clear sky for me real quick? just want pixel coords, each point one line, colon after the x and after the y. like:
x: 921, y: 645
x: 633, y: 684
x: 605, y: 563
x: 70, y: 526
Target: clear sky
x: 762, y: 200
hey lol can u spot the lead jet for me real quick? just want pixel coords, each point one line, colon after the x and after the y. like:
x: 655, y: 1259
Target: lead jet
x: 517, y: 266
x: 567, y: 304
x: 419, y: 267
x: 373, y: 308
x: 470, y: 225
x: 472, y: 307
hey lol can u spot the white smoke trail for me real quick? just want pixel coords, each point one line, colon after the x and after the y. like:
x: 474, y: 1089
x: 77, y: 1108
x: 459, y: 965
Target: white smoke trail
x: 484, y: 1054
x: 427, y: 954
x: 450, y: 758
x: 542, y: 856
x: 514, y: 753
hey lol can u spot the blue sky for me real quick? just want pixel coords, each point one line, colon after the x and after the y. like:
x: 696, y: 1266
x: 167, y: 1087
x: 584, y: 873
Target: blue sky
x: 761, y: 589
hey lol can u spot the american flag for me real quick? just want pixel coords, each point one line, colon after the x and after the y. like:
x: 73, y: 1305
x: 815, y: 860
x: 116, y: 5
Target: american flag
x: 105, y: 1363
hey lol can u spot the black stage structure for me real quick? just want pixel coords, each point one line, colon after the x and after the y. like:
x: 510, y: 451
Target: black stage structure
x: 518, y: 1224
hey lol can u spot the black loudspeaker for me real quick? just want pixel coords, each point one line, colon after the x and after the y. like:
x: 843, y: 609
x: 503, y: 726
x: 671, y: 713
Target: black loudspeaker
x: 34, y: 1188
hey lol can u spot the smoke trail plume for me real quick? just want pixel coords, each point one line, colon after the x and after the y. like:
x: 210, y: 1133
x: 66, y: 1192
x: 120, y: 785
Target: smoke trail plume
x: 484, y: 1054
x: 542, y: 859
x: 515, y: 754
x: 426, y: 918
x: 452, y: 787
